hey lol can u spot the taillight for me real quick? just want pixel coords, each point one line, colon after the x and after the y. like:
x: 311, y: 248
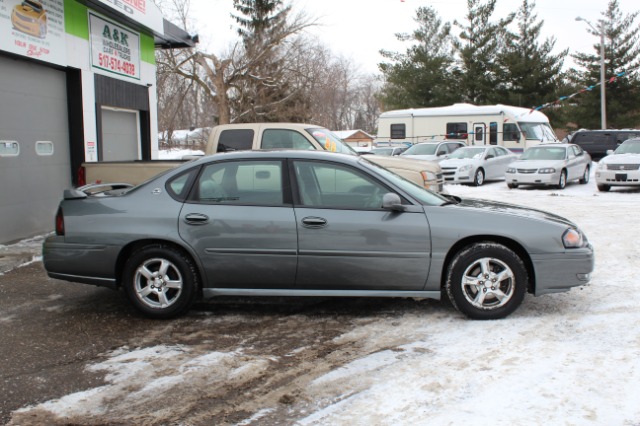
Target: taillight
x: 59, y: 222
x: 81, y: 177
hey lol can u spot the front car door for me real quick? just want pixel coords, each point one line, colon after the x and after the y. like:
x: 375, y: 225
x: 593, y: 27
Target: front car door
x: 239, y: 220
x: 347, y: 241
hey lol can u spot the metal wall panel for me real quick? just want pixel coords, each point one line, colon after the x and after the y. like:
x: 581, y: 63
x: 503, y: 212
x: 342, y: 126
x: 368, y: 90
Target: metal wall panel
x: 33, y: 107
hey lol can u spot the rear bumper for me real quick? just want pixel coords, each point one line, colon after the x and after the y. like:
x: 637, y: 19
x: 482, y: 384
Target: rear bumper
x: 558, y: 273
x: 82, y: 263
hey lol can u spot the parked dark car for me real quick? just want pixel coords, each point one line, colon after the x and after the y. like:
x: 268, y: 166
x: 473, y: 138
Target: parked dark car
x: 598, y: 142
x: 309, y: 223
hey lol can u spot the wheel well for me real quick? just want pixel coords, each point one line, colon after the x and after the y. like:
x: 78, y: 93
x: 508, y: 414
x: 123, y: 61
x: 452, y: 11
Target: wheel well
x: 509, y: 243
x: 132, y: 247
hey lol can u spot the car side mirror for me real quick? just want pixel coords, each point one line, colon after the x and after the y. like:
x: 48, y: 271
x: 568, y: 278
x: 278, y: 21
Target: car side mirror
x: 609, y: 151
x: 392, y: 201
x: 490, y: 156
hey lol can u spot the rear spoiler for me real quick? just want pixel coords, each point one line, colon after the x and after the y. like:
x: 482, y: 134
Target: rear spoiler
x: 94, y: 189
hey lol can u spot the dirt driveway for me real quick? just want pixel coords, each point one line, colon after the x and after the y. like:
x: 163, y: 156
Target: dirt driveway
x: 60, y: 339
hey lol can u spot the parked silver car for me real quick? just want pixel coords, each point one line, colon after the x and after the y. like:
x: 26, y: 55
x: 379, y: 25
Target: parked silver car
x: 432, y: 151
x: 551, y: 164
x: 477, y: 164
x: 309, y: 223
x: 621, y: 167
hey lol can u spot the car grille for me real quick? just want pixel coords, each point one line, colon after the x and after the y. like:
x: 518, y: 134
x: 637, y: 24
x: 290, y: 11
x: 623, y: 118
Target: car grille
x: 449, y: 172
x: 623, y: 166
x: 527, y: 171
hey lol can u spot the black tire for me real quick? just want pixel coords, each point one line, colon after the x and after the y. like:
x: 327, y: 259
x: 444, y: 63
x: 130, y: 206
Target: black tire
x: 585, y: 177
x: 158, y: 275
x: 486, y: 281
x: 604, y: 188
x: 512, y: 185
x: 562, y: 182
x: 478, y: 180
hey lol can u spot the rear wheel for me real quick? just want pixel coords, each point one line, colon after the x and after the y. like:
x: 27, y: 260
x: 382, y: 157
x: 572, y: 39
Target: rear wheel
x: 562, y: 183
x: 479, y: 178
x: 487, y: 281
x: 160, y: 281
x: 604, y: 188
x: 585, y: 177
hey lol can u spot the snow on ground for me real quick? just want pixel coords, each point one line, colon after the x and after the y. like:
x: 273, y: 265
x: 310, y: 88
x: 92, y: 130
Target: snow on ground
x: 570, y: 358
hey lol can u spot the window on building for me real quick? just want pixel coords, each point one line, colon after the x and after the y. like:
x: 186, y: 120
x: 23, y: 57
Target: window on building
x: 510, y: 132
x: 398, y: 131
x: 493, y: 133
x: 9, y: 148
x: 44, y: 148
x: 457, y: 131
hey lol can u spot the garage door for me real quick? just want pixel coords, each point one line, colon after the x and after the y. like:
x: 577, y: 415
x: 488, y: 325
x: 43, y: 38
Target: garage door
x: 34, y: 147
x: 120, y: 141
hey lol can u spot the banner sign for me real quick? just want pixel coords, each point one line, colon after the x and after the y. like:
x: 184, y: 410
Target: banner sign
x: 114, y: 48
x: 34, y: 28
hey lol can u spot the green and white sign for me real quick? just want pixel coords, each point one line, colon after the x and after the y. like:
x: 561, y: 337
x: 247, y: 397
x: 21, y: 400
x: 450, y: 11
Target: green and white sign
x: 114, y: 48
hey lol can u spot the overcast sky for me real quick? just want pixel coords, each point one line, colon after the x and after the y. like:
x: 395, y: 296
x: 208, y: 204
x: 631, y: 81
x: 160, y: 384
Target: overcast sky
x: 358, y: 29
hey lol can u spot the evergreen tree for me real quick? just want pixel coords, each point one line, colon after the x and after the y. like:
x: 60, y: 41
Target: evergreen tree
x: 622, y: 55
x: 532, y: 72
x: 421, y: 76
x: 478, y: 48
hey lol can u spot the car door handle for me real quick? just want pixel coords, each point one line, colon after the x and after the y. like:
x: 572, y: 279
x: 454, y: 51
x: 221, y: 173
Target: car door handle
x: 314, y: 222
x: 196, y: 219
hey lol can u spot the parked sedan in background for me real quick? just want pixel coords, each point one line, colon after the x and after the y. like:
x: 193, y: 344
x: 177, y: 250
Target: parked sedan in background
x: 432, y: 151
x: 477, y: 164
x: 552, y: 164
x: 388, y: 150
x: 309, y: 223
x: 621, y: 167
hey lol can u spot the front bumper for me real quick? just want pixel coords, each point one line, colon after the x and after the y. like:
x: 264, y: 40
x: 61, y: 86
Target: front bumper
x: 618, y: 177
x: 533, y: 178
x: 557, y: 273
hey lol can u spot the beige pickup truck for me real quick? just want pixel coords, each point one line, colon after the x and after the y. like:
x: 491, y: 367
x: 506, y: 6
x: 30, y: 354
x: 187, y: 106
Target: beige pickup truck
x: 234, y: 137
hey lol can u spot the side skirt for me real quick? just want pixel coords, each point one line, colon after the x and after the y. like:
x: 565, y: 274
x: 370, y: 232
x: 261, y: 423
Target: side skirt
x: 209, y: 293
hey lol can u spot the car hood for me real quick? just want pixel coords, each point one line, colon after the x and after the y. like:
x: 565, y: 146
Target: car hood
x: 456, y: 162
x: 621, y: 159
x: 514, y: 210
x: 536, y: 164
x: 403, y: 162
x: 421, y: 157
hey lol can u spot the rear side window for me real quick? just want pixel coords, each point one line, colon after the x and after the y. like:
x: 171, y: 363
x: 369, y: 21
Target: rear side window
x: 586, y: 139
x: 398, y: 131
x: 235, y: 140
x: 283, y: 138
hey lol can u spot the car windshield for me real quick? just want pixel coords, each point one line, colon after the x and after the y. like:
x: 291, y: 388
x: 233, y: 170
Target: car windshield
x: 538, y: 131
x: 422, y: 149
x: 423, y: 195
x: 545, y: 153
x: 382, y: 151
x: 629, y: 147
x: 474, y: 153
x: 331, y: 142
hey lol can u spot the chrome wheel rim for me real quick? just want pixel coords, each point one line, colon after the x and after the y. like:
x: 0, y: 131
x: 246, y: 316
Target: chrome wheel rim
x: 158, y: 283
x: 479, y: 177
x: 488, y: 283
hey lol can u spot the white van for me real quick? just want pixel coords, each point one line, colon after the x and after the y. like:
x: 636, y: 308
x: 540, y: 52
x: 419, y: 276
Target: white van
x: 509, y: 126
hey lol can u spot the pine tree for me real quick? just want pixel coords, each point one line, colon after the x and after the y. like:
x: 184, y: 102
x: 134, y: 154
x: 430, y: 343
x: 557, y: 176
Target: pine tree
x: 421, y: 76
x: 622, y: 56
x: 532, y: 72
x: 478, y: 48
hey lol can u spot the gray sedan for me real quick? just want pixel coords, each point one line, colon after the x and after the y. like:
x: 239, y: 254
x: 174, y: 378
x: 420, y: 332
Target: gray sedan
x: 552, y: 164
x: 308, y: 223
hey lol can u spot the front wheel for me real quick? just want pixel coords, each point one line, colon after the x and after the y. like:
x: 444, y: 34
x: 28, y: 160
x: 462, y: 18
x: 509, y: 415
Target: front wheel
x: 479, y: 178
x: 562, y: 183
x: 512, y: 185
x: 487, y: 281
x: 160, y: 281
x: 604, y: 188
x: 585, y: 177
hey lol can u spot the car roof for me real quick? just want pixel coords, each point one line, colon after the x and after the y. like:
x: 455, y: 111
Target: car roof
x: 260, y: 154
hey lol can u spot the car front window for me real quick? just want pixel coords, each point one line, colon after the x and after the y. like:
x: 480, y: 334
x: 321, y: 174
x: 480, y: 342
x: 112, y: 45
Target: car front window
x: 421, y: 149
x: 629, y: 148
x: 331, y: 142
x: 546, y: 153
x: 538, y: 131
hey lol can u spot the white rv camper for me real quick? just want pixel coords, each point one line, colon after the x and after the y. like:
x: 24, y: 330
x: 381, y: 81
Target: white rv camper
x: 512, y: 127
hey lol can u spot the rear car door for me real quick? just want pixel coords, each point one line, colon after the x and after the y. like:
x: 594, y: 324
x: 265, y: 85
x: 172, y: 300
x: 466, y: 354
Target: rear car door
x: 239, y: 220
x: 347, y: 241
